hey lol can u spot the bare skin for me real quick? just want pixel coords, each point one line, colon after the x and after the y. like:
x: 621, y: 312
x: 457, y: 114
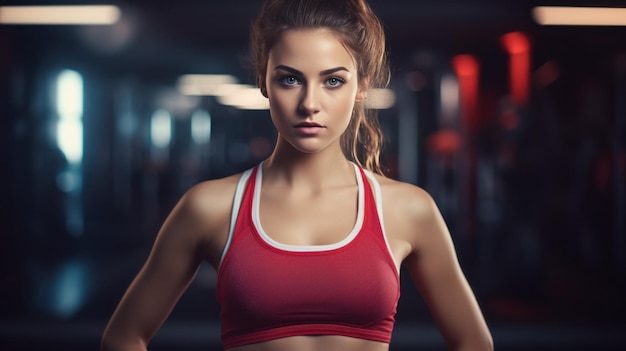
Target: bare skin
x: 306, y: 178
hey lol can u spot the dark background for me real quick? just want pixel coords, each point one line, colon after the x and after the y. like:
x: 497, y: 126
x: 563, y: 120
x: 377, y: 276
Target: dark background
x: 534, y: 193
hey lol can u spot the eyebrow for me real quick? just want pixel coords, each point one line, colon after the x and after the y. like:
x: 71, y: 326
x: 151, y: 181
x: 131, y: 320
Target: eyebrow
x: 322, y: 73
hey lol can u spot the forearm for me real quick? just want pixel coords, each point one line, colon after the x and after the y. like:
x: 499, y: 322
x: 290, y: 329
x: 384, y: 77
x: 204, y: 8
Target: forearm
x: 112, y: 343
x: 482, y: 342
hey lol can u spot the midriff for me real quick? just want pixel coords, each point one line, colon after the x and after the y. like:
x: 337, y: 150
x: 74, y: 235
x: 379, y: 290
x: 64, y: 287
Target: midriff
x: 315, y: 343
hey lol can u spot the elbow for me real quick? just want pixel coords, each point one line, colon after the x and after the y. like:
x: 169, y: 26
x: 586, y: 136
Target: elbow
x: 110, y: 343
x: 485, y: 343
x: 106, y: 344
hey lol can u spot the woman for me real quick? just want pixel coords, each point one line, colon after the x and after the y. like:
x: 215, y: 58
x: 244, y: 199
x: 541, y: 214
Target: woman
x: 304, y: 259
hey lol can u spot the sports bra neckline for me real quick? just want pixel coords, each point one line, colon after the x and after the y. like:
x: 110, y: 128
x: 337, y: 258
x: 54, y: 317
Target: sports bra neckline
x: 256, y: 219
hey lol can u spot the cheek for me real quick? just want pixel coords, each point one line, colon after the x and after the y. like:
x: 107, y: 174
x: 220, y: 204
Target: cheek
x: 280, y: 103
x: 281, y: 107
x: 344, y: 104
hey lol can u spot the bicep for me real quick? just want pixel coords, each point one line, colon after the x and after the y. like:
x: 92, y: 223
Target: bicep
x: 169, y: 269
x: 435, y: 269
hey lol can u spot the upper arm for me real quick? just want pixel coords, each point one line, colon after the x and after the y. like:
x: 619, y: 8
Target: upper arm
x: 435, y: 269
x: 171, y: 266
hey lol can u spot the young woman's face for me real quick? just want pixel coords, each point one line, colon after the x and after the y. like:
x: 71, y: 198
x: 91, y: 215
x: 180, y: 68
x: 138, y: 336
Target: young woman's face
x: 312, y: 86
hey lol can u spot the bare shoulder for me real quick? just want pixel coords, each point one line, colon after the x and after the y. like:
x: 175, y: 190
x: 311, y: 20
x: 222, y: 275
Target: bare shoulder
x: 211, y: 196
x: 204, y: 211
x: 411, y: 217
x: 405, y: 198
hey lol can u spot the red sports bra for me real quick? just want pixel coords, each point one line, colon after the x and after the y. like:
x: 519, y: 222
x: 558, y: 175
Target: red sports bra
x: 268, y: 290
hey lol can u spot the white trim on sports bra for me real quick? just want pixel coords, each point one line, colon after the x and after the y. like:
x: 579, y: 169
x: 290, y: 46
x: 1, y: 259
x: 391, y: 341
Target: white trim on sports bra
x: 256, y: 199
x: 239, y: 191
x: 378, y: 197
x: 238, y: 198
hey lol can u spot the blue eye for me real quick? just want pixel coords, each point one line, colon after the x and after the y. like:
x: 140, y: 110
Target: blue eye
x: 334, y: 82
x: 289, y: 81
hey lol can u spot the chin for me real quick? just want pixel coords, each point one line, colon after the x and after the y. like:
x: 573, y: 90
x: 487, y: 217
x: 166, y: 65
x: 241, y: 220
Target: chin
x: 309, y: 146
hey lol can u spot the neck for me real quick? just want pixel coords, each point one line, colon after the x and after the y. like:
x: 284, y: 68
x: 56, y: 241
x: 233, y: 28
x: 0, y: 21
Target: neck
x: 289, y: 166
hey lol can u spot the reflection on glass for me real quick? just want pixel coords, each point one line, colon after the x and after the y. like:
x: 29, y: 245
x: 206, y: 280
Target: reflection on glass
x: 161, y: 128
x: 201, y: 127
x: 70, y: 110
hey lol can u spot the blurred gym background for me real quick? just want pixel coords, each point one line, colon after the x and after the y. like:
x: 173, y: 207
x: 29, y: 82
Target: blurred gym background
x: 510, y: 114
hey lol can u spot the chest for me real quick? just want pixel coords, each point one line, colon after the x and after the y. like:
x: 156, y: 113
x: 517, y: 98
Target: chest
x: 315, y: 219
x: 274, y: 285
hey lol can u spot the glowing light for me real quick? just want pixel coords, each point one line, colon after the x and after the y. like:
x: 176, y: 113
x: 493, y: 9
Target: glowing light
x: 204, y: 84
x: 70, y: 140
x: 465, y: 65
x: 444, y: 142
x: 380, y: 99
x: 60, y: 15
x: 517, y: 45
x: 69, y: 133
x: 449, y: 92
x: 161, y: 128
x: 467, y: 69
x: 201, y: 127
x: 227, y: 89
x: 70, y: 95
x: 579, y: 16
x: 245, y: 97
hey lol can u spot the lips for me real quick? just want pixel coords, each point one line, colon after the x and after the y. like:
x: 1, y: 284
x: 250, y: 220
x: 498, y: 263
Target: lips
x: 309, y: 128
x: 308, y: 125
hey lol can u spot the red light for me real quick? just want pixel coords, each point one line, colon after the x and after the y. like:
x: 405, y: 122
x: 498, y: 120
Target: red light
x: 516, y: 43
x: 467, y: 69
x: 518, y: 47
x: 465, y: 65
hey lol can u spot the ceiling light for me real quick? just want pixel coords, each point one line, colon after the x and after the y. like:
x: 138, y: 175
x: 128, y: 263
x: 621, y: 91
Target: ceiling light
x: 60, y: 15
x: 245, y: 97
x: 204, y: 84
x: 380, y: 99
x: 579, y: 16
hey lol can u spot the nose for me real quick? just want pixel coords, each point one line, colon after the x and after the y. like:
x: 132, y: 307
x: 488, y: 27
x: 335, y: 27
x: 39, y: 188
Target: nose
x: 309, y: 103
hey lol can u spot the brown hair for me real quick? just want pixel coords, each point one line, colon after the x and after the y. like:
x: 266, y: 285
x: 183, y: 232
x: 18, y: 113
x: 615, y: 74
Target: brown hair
x: 361, y: 33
